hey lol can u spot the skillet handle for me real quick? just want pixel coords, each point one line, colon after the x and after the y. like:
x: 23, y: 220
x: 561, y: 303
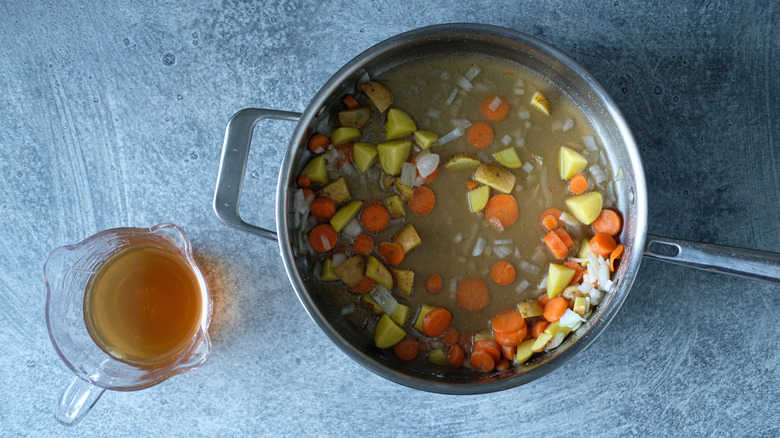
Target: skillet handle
x: 749, y: 263
x: 232, y: 167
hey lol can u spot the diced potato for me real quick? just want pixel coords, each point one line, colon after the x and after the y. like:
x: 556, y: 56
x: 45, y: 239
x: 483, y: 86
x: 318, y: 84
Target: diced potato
x: 367, y: 301
x: 424, y: 309
x: 555, y: 328
x: 379, y: 95
x: 407, y: 237
x: 376, y: 271
x: 404, y: 190
x: 401, y: 314
x: 558, y: 277
x: 508, y: 158
x: 584, y: 251
x: 344, y: 134
x: 392, y: 155
x: 580, y: 306
x: 462, y: 162
x: 355, y: 118
x: 425, y: 139
x: 395, y: 206
x: 586, y: 207
x: 484, y: 335
x: 495, y: 177
x: 363, y: 154
x: 315, y: 170
x: 570, y: 162
x: 541, y: 343
x: 387, y: 332
x: 404, y: 278
x: 478, y: 198
x: 344, y: 215
x: 571, y: 292
x: 337, y: 191
x: 524, y: 351
x: 328, y: 273
x: 399, y: 124
x: 539, y: 101
x: 437, y: 357
x: 351, y: 271
x: 529, y: 309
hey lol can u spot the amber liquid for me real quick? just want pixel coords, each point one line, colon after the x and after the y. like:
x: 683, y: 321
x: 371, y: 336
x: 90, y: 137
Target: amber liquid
x: 143, y: 306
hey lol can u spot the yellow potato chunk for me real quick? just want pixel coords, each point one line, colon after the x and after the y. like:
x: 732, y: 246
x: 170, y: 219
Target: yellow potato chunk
x: 379, y: 95
x: 529, y: 309
x: 401, y: 314
x: 585, y: 207
x: 462, y: 162
x: 425, y: 139
x: 355, y: 118
x: 387, y: 332
x: 376, y: 271
x: 344, y: 215
x: 351, y: 270
x: 570, y: 162
x: 315, y: 170
x: 424, y: 309
x: 408, y: 238
x: 437, y: 357
x: 344, y: 134
x: 524, y: 351
x: 395, y: 206
x: 404, y: 278
x: 392, y: 155
x: 337, y: 191
x: 558, y: 277
x: 541, y: 342
x: 539, y: 101
x: 508, y: 158
x: 496, y: 177
x: 363, y: 154
x: 478, y: 198
x: 399, y: 124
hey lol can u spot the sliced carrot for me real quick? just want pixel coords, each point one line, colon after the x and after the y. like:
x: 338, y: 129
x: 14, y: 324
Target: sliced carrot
x: 481, y: 360
x: 436, y: 321
x: 578, y: 184
x: 393, y: 253
x: 495, y: 108
x: 471, y: 185
x: 433, y: 283
x: 502, y: 364
x: 456, y: 356
x: 511, y: 339
x: 450, y: 336
x: 615, y: 254
x: 577, y: 271
x: 602, y: 244
x: 542, y: 300
x: 507, y: 321
x: 608, y: 221
x: 508, y: 352
x: 375, y: 218
x: 323, y: 208
x: 555, y: 245
x: 503, y: 272
x: 307, y: 193
x: 551, y: 219
x: 323, y: 238
x: 555, y: 308
x: 422, y: 201
x: 344, y: 155
x: 318, y: 143
x: 304, y: 181
x: 407, y: 349
x: 492, y: 348
x: 363, y: 244
x: 472, y: 294
x: 539, y: 327
x: 565, y: 238
x: 365, y: 286
x: 480, y: 134
x: 350, y: 102
x: 501, y: 211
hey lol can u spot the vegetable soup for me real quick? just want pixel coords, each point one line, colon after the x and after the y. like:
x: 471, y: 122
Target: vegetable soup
x: 459, y: 210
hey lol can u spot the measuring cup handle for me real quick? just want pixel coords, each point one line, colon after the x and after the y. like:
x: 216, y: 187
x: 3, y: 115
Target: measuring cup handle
x: 232, y: 166
x: 750, y: 263
x: 78, y: 399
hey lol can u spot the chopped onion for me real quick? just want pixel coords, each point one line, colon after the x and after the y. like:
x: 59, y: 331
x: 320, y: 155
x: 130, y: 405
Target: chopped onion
x: 458, y: 237
x: 352, y: 229
x: 434, y: 113
x: 465, y: 84
x: 517, y: 252
x: 462, y: 259
x: 543, y: 284
x: 325, y: 242
x: 479, y: 247
x: 472, y: 73
x: 346, y: 310
x: 427, y: 163
x: 556, y: 341
x: 298, y: 201
x: 524, y: 114
x: 408, y: 174
x: 568, y: 125
x: 585, y: 287
x: 507, y: 139
x: 317, y: 270
x: 502, y: 242
x: 598, y: 173
x: 453, y: 287
x: 519, y: 91
x: 337, y: 259
x: 603, y: 274
x: 570, y: 319
x: 595, y: 296
x: 444, y: 75
x: 502, y: 251
x: 385, y: 300
x: 495, y: 103
x: 520, y: 142
x: 461, y: 123
x: 619, y: 174
x: 496, y: 223
x: 452, y: 97
x: 569, y: 220
x: 590, y: 142
x: 518, y: 188
x: 522, y: 286
x: 529, y: 268
x: 528, y: 167
x: 452, y: 135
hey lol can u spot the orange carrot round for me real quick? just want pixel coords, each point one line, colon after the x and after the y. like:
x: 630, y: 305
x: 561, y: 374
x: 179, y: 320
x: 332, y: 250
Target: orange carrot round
x: 323, y: 208
x: 539, y: 327
x: 503, y: 272
x: 501, y: 211
x: 508, y: 352
x: 542, y: 300
x: 422, y: 201
x: 350, y: 102
x: 551, y: 219
x: 481, y: 360
x: 472, y: 294
x: 471, y: 185
x: 608, y: 221
x: 502, y: 364
x: 578, y: 184
x: 495, y: 108
x: 480, y: 134
x: 365, y: 286
x: 614, y: 255
x: 555, y: 308
x: 507, y: 321
x: 363, y: 244
x: 318, y: 143
x: 491, y: 347
x: 433, y: 283
x: 555, y: 244
x: 602, y: 244
x: 393, y: 253
x: 375, y: 218
x: 450, y: 336
x: 456, y: 356
x: 511, y: 339
x: 436, y: 321
x: 323, y: 238
x: 304, y: 181
x: 577, y: 271
x: 407, y: 349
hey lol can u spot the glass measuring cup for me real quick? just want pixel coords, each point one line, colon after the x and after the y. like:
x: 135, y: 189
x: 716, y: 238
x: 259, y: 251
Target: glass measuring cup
x: 69, y: 273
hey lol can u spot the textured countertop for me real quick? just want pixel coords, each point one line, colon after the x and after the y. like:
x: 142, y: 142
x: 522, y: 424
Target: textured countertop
x: 114, y: 116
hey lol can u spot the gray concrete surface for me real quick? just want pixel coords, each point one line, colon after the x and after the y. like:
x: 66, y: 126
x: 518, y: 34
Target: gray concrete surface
x: 113, y: 115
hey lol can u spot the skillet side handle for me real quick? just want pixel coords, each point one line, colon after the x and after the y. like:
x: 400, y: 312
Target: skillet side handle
x: 749, y: 263
x: 232, y: 167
